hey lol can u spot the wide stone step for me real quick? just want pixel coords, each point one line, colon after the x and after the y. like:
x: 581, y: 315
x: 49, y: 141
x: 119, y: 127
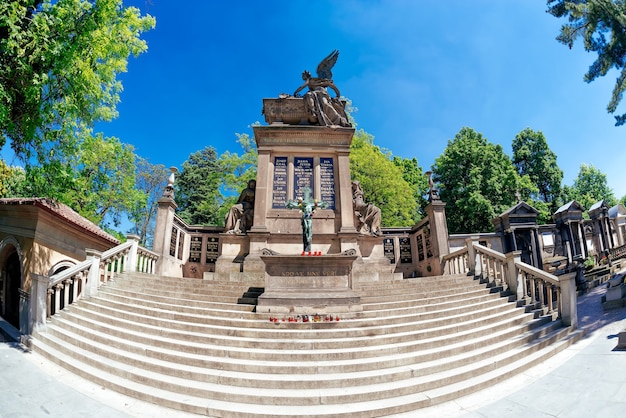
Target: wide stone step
x: 358, y: 355
x: 188, y: 345
x: 260, y: 328
x: 425, y: 308
x: 288, y: 396
x: 198, y: 342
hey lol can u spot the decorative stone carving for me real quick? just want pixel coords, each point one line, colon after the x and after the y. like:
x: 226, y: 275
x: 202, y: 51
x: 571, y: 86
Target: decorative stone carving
x: 317, y: 107
x: 367, y: 215
x: 240, y: 216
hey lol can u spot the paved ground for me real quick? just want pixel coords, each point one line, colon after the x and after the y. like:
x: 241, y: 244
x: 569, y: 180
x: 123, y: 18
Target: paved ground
x: 586, y: 380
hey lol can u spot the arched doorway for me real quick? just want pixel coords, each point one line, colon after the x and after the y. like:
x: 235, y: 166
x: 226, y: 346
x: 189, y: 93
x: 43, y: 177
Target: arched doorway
x: 11, y: 281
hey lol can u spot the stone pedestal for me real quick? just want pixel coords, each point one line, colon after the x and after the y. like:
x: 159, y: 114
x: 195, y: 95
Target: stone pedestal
x: 308, y: 284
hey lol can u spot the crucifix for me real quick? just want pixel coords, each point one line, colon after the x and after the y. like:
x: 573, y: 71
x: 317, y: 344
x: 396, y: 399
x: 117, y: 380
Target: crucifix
x: 307, y: 207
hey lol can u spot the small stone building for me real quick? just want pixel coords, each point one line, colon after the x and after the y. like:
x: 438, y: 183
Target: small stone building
x: 40, y: 236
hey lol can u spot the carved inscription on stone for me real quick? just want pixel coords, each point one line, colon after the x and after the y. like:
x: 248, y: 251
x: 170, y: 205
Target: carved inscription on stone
x: 195, y: 249
x: 212, y: 246
x: 389, y: 249
x: 327, y: 182
x: 302, y: 175
x: 279, y: 192
x: 405, y: 250
x: 173, y: 241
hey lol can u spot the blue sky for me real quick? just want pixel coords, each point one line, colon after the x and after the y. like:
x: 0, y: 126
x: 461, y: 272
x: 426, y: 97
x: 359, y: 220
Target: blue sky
x: 416, y: 70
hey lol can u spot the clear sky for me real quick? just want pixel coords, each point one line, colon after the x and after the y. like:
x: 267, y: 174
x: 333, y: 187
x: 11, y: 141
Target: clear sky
x: 416, y: 70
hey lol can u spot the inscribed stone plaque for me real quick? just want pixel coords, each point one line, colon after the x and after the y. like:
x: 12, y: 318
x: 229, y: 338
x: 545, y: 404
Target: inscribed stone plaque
x: 327, y: 182
x: 405, y: 250
x: 389, y: 250
x: 195, y: 249
x: 212, y: 246
x: 173, y: 241
x: 279, y: 192
x: 302, y: 176
x: 181, y: 241
x: 420, y: 247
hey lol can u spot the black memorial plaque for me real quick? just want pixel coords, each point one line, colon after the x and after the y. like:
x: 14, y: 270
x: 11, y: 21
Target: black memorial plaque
x: 327, y: 182
x: 173, y: 239
x: 302, y: 176
x: 405, y: 251
x: 212, y: 246
x: 420, y: 247
x: 195, y: 249
x: 279, y: 191
x: 389, y: 249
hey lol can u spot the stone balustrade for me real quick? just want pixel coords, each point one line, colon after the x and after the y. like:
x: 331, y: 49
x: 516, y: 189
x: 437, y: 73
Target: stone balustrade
x: 51, y: 294
x: 554, y: 295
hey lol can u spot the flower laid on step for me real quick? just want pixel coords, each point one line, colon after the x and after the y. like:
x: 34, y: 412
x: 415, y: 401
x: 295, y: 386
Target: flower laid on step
x: 305, y: 318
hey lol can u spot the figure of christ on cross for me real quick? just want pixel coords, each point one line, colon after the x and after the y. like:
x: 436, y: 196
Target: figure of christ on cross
x: 307, y: 207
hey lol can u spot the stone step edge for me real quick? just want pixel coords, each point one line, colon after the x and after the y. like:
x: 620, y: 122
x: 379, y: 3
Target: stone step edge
x: 475, y: 349
x: 406, y: 312
x: 261, y: 319
x: 244, y: 352
x: 304, y: 397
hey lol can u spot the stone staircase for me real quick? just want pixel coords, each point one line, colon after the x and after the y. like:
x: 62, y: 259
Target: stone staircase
x: 187, y: 344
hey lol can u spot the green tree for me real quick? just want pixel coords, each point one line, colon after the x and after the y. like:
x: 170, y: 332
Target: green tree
x: 151, y: 179
x: 197, y: 189
x: 58, y: 69
x: 98, y: 182
x: 591, y: 186
x: 236, y: 171
x: 382, y: 181
x: 413, y: 174
x: 601, y: 25
x: 533, y: 157
x: 477, y: 180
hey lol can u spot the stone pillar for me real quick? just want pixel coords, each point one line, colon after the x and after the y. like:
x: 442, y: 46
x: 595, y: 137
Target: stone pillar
x: 512, y: 274
x: 163, y: 233
x: 38, y: 302
x: 262, y: 197
x: 24, y: 311
x: 569, y: 309
x: 345, y: 193
x: 93, y: 277
x: 436, y: 211
x: 132, y: 259
x: 471, y: 257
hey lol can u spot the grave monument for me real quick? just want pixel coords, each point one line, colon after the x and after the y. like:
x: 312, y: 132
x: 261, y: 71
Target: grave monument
x: 303, y: 156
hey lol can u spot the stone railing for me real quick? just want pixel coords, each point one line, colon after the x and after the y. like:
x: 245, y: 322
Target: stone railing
x: 555, y: 295
x: 51, y: 294
x: 455, y: 262
x: 617, y: 253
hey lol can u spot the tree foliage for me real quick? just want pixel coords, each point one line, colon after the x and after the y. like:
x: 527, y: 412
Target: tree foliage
x: 533, y: 157
x: 477, y: 181
x: 59, y: 64
x: 197, y: 188
x: 151, y: 179
x: 413, y: 174
x: 382, y: 181
x: 59, y: 67
x: 236, y: 171
x: 600, y: 23
x: 591, y: 186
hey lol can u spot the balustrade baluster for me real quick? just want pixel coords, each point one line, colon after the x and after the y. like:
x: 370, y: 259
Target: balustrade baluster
x: 50, y: 302
x: 549, y: 293
x: 57, y: 297
x: 78, y: 285
x: 66, y: 292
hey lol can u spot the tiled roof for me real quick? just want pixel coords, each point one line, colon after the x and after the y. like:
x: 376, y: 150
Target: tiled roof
x: 62, y: 211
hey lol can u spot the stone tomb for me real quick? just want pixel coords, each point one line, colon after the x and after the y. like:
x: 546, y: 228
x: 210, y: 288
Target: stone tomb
x: 308, y: 284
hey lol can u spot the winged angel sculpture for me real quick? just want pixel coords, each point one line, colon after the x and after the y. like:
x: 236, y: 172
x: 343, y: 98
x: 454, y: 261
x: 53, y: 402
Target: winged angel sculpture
x: 322, y: 109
